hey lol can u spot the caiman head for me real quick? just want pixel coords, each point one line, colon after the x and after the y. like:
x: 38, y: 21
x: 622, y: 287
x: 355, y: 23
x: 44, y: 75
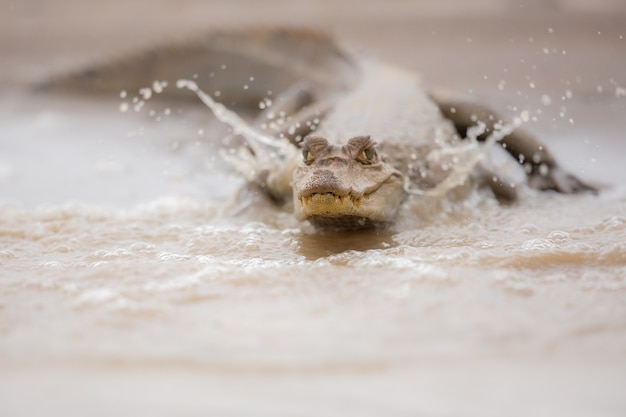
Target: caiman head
x: 345, y: 187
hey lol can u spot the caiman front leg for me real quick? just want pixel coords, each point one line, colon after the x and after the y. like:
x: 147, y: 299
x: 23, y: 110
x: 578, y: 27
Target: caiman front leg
x: 544, y: 173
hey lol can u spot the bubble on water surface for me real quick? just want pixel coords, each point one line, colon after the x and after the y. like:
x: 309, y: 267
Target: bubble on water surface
x: 559, y: 237
x: 537, y: 245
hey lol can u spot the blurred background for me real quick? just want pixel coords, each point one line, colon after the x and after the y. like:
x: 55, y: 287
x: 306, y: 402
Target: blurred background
x: 43, y: 37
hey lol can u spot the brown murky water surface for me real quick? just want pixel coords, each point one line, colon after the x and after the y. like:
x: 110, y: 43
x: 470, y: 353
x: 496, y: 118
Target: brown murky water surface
x: 133, y: 282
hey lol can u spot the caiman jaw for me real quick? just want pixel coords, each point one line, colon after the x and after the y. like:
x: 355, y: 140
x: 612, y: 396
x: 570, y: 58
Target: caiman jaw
x: 330, y: 210
x: 331, y: 202
x: 339, y: 209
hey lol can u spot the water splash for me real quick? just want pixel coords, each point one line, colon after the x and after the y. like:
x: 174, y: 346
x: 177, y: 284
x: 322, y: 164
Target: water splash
x: 254, y: 138
x: 264, y: 151
x: 466, y: 156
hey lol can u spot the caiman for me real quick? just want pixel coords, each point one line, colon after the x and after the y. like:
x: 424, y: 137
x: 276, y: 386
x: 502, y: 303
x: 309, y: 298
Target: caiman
x: 344, y: 137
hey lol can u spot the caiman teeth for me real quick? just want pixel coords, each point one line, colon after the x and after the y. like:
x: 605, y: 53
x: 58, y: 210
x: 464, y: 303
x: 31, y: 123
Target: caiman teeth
x: 339, y: 199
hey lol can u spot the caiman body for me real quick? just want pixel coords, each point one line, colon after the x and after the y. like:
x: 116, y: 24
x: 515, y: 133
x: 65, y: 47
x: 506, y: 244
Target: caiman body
x: 367, y: 130
x: 370, y: 140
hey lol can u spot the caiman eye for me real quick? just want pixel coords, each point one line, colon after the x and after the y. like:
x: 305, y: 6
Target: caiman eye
x: 313, y: 146
x: 368, y: 156
x: 307, y: 156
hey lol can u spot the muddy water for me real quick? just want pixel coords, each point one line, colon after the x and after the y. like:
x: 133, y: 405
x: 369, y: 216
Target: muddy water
x: 137, y: 278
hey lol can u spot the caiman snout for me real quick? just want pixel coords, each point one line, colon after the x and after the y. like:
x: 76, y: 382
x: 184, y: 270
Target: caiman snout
x: 325, y: 181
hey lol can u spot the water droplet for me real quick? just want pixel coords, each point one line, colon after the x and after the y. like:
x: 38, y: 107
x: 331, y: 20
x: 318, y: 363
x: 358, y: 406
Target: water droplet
x: 146, y: 93
x: 525, y: 116
x: 157, y: 87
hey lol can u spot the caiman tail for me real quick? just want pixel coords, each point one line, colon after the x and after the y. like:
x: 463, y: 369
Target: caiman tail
x: 242, y: 65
